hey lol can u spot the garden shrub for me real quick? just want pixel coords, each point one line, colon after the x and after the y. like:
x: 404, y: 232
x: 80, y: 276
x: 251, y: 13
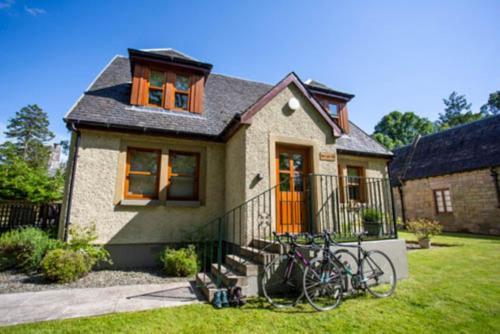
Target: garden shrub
x: 372, y: 215
x: 65, y: 265
x: 25, y: 248
x: 424, y: 228
x: 82, y: 238
x: 181, y: 262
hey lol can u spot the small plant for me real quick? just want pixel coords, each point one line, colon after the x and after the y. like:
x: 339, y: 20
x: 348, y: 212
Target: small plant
x: 424, y: 229
x: 372, y: 215
x: 25, y: 248
x: 65, y: 265
x: 181, y: 262
x: 82, y: 239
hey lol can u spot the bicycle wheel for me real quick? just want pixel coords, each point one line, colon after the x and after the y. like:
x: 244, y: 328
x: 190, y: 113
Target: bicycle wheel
x: 379, y: 275
x: 281, y: 283
x: 323, y: 284
x: 350, y: 265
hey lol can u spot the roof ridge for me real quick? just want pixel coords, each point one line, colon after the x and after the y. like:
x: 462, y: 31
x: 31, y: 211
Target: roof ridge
x: 240, y: 78
x: 449, y: 129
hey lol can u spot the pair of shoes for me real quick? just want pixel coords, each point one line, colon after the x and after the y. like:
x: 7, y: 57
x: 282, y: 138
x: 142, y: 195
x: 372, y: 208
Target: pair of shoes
x: 220, y: 299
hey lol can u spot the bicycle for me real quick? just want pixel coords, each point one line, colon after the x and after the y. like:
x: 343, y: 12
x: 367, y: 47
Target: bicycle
x: 375, y: 271
x: 281, y: 284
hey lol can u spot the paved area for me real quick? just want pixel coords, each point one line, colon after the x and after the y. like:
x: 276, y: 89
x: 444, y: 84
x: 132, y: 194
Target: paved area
x: 26, y: 307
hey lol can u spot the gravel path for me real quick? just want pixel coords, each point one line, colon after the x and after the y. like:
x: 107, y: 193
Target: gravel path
x: 11, y: 281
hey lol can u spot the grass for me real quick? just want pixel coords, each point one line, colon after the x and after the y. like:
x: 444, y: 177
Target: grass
x: 451, y: 289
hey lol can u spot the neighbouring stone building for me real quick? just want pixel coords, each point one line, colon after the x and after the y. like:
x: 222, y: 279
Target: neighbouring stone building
x: 452, y: 176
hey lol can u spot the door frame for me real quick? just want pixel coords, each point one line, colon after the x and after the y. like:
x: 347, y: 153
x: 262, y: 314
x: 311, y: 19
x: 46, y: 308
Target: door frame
x: 307, y: 167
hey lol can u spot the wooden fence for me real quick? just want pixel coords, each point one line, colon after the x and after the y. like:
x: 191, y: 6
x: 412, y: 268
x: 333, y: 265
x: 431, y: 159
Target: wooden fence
x: 19, y: 214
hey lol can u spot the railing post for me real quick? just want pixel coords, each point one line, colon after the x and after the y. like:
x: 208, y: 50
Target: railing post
x: 393, y: 207
x: 310, y: 201
x: 219, y: 251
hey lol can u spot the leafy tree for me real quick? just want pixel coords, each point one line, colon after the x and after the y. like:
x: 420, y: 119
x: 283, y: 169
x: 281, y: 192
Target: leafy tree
x: 30, y: 130
x: 492, y: 107
x: 397, y: 129
x: 19, y: 180
x: 457, y: 112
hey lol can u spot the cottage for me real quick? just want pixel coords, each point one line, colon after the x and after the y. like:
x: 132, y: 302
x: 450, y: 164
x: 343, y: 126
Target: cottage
x: 452, y: 176
x: 164, y: 151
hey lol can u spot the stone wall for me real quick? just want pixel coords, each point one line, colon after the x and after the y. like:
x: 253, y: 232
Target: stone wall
x: 473, y: 196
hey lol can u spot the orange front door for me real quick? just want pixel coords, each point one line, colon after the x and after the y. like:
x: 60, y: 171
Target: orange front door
x: 292, y: 166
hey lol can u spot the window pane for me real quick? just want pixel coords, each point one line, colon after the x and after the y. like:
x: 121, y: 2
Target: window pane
x: 182, y: 83
x: 142, y: 185
x: 354, y: 193
x: 181, y: 100
x: 155, y: 97
x: 333, y: 109
x: 182, y: 187
x: 183, y: 164
x: 447, y: 201
x: 439, y: 201
x: 298, y: 182
x: 284, y: 162
x: 284, y: 182
x: 298, y: 162
x: 352, y: 171
x: 141, y: 161
x: 156, y: 79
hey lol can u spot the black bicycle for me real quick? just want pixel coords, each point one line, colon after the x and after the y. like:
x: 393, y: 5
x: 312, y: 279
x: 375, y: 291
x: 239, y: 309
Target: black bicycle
x: 371, y: 270
x: 281, y: 280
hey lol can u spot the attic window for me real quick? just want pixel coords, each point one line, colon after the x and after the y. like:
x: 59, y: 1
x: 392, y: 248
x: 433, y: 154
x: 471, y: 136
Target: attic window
x: 333, y: 109
x: 181, y: 95
x: 156, y: 88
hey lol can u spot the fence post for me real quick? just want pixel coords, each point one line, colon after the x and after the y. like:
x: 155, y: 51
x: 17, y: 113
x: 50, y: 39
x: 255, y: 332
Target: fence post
x: 310, y: 202
x: 219, y: 251
x: 394, y: 224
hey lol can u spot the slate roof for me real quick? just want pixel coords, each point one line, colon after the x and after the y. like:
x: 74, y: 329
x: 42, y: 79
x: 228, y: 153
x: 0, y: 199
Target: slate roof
x: 322, y: 88
x: 106, y: 104
x: 463, y: 148
x: 169, y: 53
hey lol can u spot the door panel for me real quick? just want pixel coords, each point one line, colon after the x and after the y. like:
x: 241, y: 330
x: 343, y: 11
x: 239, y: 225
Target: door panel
x: 292, y: 166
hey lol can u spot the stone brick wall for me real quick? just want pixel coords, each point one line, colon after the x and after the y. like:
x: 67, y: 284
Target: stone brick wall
x: 473, y: 196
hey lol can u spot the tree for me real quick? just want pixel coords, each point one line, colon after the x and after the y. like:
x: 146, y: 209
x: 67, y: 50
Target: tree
x: 19, y: 180
x: 457, y: 112
x: 397, y: 129
x: 492, y: 107
x: 30, y: 130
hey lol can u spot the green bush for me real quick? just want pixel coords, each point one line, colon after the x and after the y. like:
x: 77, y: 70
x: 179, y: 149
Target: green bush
x: 424, y: 228
x: 25, y: 248
x: 180, y: 262
x: 371, y: 215
x: 82, y: 238
x: 65, y: 265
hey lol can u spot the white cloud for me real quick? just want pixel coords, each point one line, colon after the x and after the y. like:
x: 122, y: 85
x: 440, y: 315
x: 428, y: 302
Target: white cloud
x: 6, y: 4
x: 34, y: 11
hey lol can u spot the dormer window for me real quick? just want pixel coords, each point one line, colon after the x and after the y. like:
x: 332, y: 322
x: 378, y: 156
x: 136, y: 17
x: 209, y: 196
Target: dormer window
x: 156, y: 88
x: 333, y: 109
x: 181, y: 95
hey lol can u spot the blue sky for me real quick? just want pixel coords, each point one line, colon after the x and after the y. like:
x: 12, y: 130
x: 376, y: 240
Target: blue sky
x: 393, y: 55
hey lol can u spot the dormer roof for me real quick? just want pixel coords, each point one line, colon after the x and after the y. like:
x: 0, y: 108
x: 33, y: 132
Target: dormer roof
x: 168, y: 57
x: 320, y: 88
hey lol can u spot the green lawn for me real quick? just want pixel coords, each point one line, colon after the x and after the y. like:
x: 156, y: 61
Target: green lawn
x: 451, y: 289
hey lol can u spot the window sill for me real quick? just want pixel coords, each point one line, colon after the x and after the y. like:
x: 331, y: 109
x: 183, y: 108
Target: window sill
x: 183, y: 204
x: 140, y: 202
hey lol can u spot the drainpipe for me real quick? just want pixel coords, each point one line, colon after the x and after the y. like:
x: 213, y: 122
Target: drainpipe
x: 494, y: 174
x: 71, y: 182
x: 402, y: 199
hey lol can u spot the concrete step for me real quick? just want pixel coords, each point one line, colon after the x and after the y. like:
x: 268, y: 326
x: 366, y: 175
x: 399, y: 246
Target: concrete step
x: 267, y: 245
x: 242, y: 265
x: 206, y: 283
x: 256, y: 255
x: 228, y: 276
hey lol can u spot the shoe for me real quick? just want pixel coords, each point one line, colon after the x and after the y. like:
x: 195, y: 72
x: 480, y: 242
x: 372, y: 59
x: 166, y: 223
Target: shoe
x: 224, y: 300
x: 217, y: 302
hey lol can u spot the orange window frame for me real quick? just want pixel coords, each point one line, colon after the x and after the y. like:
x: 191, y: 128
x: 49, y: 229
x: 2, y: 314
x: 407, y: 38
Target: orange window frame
x: 163, y: 88
x: 129, y: 172
x: 360, y: 184
x: 186, y: 92
x: 170, y: 174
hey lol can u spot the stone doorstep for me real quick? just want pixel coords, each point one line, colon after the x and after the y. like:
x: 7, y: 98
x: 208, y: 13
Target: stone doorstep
x: 228, y: 276
x: 242, y: 265
x: 256, y: 255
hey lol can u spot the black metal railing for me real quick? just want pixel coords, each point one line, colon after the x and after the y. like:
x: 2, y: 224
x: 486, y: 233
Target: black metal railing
x: 343, y: 205
x: 15, y: 214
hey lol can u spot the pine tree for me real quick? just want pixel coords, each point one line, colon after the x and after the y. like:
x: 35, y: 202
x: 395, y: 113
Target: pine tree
x: 30, y: 130
x: 457, y: 112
